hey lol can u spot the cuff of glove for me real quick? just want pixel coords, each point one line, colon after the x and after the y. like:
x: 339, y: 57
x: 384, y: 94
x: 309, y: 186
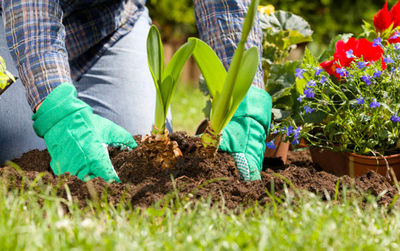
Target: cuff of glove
x: 61, y: 102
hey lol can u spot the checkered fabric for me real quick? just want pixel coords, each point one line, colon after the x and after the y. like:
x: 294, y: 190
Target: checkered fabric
x: 242, y: 166
x: 56, y: 41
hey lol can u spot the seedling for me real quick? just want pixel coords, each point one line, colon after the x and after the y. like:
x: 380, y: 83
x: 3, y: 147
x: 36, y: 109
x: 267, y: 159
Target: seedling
x: 6, y: 78
x: 165, y: 80
x: 227, y: 89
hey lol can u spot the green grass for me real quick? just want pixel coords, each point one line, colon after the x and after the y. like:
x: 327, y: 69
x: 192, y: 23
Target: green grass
x: 308, y: 224
x: 186, y: 107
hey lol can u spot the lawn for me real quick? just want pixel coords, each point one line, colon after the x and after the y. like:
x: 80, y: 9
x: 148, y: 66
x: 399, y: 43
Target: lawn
x: 307, y: 224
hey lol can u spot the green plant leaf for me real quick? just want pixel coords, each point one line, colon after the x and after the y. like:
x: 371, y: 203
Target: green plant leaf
x: 178, y: 60
x: 210, y: 66
x: 286, y: 21
x: 281, y: 79
x: 155, y: 54
x: 245, y: 77
x: 167, y: 87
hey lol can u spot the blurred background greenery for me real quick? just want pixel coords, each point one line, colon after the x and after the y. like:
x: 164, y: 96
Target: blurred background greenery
x: 327, y: 17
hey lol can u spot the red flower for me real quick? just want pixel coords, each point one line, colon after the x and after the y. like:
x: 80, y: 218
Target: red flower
x: 395, y: 13
x: 347, y: 52
x: 383, y: 19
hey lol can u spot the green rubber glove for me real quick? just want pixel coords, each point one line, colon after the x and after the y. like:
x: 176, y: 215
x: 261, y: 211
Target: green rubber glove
x: 76, y: 138
x: 244, y: 136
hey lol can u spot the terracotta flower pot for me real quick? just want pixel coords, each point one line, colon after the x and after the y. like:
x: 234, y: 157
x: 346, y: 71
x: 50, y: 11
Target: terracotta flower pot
x: 344, y: 163
x: 281, y: 150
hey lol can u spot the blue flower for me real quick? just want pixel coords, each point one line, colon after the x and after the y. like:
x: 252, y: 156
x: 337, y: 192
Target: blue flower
x: 397, y: 47
x: 366, y: 79
x: 307, y: 109
x: 311, y: 83
x: 388, y: 60
x: 299, y: 73
x: 289, y: 130
x: 270, y: 145
x: 300, y: 99
x: 377, y: 42
x: 341, y: 71
x: 395, y: 118
x: 360, y: 101
x: 395, y: 36
x: 296, y: 137
x: 309, y: 93
x: 323, y: 79
x: 374, y: 104
x: 377, y: 74
x: 349, y: 54
x: 317, y: 72
x: 362, y: 65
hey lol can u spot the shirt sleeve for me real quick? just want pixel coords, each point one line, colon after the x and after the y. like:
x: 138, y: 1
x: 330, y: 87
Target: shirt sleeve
x: 36, y: 39
x: 220, y: 22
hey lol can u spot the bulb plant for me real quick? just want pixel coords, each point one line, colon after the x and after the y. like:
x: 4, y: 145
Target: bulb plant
x: 165, y: 81
x: 6, y: 78
x: 227, y: 89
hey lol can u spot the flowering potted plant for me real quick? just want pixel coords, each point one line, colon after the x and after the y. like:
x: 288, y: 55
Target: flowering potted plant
x: 349, y: 105
x: 283, y: 32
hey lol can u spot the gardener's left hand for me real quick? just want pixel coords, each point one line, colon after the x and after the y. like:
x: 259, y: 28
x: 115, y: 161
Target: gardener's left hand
x: 244, y: 136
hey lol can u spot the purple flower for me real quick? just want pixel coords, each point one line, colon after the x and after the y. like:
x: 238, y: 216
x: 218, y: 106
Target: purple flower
x: 349, y: 54
x: 395, y: 36
x: 317, y: 72
x: 374, y: 104
x: 388, y: 60
x: 289, y: 130
x: 300, y: 99
x: 309, y: 93
x: 307, y: 109
x: 270, y: 145
x: 377, y: 74
x: 360, y: 101
x: 395, y: 118
x: 311, y: 83
x: 366, y: 79
x: 377, y: 42
x: 296, y: 138
x: 397, y: 47
x: 341, y: 71
x: 323, y: 79
x: 299, y: 73
x: 362, y: 65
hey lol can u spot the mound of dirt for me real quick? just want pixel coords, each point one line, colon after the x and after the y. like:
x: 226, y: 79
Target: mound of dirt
x: 144, y: 183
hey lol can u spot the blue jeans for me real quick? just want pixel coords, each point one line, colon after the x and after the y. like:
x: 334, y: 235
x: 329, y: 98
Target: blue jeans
x: 118, y: 87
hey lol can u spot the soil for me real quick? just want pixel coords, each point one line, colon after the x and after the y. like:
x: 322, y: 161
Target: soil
x: 144, y: 183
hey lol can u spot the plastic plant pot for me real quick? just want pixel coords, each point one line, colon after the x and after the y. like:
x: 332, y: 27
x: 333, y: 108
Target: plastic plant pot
x: 355, y: 165
x: 281, y: 150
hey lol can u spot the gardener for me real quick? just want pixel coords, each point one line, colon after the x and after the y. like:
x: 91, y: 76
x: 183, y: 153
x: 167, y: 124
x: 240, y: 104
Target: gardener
x: 84, y: 68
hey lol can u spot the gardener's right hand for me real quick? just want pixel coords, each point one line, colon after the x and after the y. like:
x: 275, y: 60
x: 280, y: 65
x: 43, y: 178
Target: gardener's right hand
x: 76, y: 138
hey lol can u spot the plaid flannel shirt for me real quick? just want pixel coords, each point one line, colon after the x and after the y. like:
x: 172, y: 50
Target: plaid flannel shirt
x: 56, y: 41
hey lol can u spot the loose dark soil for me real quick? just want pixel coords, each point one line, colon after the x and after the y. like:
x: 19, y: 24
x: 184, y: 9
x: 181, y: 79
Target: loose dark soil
x: 144, y: 183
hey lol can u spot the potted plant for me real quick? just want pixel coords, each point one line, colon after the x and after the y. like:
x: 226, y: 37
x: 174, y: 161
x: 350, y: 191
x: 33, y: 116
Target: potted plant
x: 6, y: 78
x: 283, y: 34
x: 349, y: 105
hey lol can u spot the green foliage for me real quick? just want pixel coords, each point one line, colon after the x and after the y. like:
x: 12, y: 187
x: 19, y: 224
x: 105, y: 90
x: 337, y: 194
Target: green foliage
x: 282, y: 31
x: 227, y: 89
x: 165, y: 79
x: 6, y: 78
